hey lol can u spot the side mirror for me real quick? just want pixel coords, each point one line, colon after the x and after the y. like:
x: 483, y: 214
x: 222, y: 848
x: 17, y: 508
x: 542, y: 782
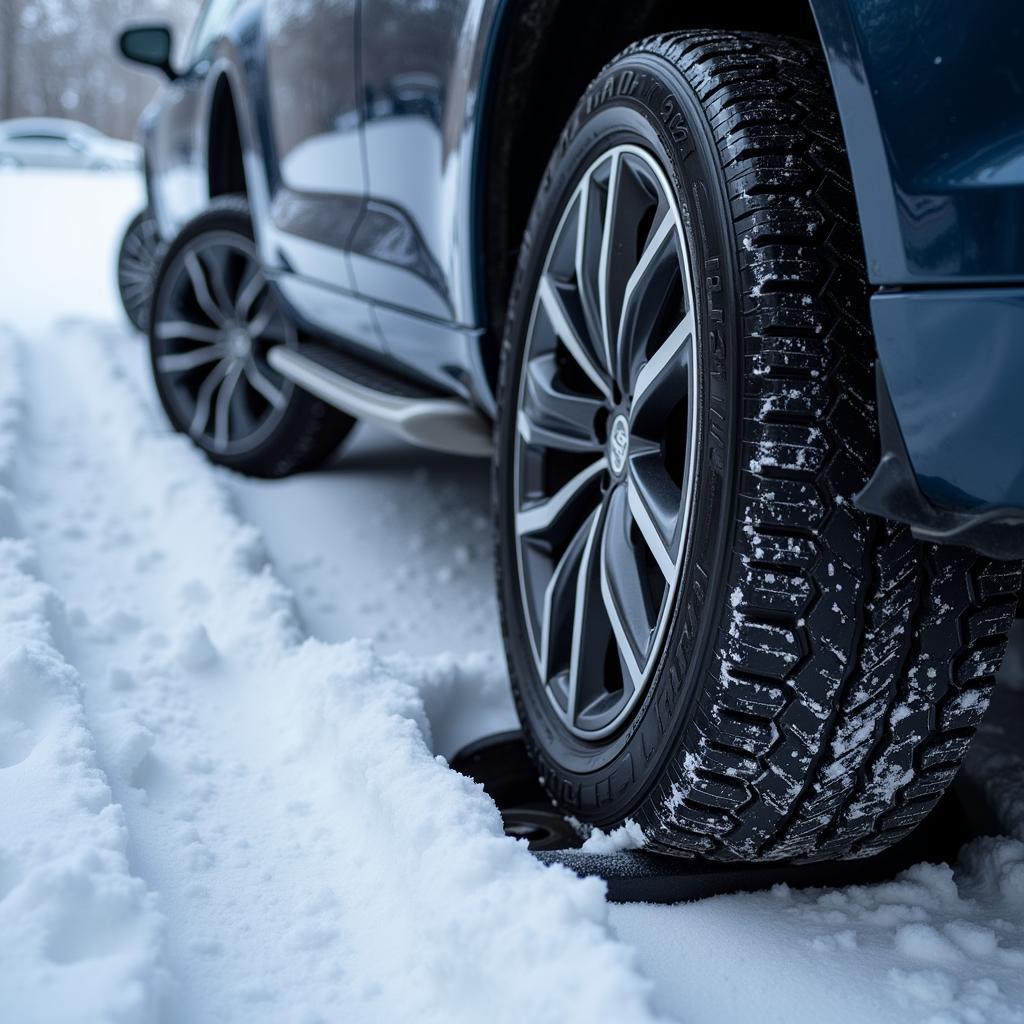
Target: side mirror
x: 149, y: 45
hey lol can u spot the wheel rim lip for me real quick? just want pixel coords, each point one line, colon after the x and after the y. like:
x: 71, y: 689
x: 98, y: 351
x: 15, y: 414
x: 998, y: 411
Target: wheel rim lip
x: 624, y: 712
x: 171, y: 284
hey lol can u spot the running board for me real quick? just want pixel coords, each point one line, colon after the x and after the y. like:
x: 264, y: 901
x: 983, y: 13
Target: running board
x: 442, y: 424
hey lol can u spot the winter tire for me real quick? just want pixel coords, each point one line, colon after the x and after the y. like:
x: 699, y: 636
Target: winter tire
x: 137, y: 263
x: 214, y: 318
x: 705, y: 636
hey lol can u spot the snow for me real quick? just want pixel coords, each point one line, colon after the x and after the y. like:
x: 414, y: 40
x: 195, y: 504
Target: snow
x: 629, y: 836
x: 78, y: 932
x: 225, y: 712
x: 59, y: 231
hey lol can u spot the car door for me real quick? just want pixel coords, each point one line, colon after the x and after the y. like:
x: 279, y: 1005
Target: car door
x: 315, y: 120
x: 419, y: 80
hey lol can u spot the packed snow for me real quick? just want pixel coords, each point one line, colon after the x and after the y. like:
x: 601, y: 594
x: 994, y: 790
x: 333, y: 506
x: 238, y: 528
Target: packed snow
x: 226, y: 709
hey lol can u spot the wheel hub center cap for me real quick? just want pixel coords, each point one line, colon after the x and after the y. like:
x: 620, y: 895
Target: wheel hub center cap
x: 239, y: 343
x: 618, y: 444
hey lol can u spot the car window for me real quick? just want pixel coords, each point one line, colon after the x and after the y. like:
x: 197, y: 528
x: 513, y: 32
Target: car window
x: 213, y: 19
x: 38, y: 137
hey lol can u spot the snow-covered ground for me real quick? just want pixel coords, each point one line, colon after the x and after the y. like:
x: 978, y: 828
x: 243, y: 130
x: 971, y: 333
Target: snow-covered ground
x: 224, y: 711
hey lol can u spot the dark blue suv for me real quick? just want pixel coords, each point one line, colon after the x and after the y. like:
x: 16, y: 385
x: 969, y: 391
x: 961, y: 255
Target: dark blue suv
x: 734, y: 299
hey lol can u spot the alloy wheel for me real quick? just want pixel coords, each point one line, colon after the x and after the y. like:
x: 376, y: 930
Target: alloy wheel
x: 215, y: 320
x: 606, y: 441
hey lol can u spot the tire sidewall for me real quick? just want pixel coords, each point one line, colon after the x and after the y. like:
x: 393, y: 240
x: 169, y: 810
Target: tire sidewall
x: 640, y: 98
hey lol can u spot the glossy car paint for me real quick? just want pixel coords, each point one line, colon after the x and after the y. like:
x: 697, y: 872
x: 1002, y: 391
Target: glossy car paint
x: 930, y: 96
x: 931, y: 100
x: 423, y: 81
x: 315, y: 118
x: 364, y: 181
x: 954, y: 365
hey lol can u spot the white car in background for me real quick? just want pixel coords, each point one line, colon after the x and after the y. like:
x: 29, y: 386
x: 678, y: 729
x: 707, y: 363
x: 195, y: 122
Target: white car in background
x: 54, y: 142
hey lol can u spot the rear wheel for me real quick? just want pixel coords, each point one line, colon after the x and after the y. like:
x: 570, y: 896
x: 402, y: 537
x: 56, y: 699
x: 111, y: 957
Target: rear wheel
x: 704, y: 634
x: 137, y: 263
x: 214, y: 319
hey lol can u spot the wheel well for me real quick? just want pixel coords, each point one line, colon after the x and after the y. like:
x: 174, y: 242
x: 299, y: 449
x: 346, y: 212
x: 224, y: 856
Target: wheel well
x: 534, y: 89
x: 225, y: 165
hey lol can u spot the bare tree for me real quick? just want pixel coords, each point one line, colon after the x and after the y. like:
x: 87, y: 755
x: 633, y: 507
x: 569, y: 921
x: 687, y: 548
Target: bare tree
x: 10, y: 11
x: 58, y: 58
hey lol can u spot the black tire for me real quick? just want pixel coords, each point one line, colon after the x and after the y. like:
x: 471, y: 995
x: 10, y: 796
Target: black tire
x: 822, y: 672
x: 137, y: 261
x: 273, y: 427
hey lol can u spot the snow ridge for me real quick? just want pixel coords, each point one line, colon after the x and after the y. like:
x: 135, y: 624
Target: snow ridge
x: 315, y: 859
x: 80, y: 938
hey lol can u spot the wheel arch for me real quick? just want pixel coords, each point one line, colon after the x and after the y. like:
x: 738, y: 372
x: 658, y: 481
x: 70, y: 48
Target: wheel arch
x: 530, y: 90
x: 225, y: 162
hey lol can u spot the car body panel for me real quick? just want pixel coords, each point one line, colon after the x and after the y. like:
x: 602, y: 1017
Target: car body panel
x: 364, y: 180
x: 931, y: 102
x: 315, y: 123
x: 414, y: 254
x: 962, y: 418
x: 175, y: 161
x: 421, y: 81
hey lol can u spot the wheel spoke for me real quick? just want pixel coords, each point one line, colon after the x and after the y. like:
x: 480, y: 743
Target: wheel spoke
x: 135, y: 250
x: 605, y: 260
x: 625, y: 588
x: 590, y: 627
x: 644, y: 296
x: 587, y: 259
x: 222, y: 413
x: 201, y: 291
x: 133, y: 270
x: 552, y: 417
x: 182, y: 330
x: 249, y: 294
x: 260, y: 383
x: 559, y: 603
x: 261, y: 320
x: 540, y: 517
x: 669, y: 367
x: 181, y: 362
x: 655, y: 504
x: 136, y: 289
x: 204, y: 397
x: 216, y: 264
x: 556, y: 313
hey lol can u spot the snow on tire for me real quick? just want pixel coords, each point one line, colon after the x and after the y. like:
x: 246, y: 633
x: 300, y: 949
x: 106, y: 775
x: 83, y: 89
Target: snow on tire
x: 822, y: 672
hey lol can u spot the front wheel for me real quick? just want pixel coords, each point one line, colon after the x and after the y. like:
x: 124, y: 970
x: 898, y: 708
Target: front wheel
x: 214, y: 319
x: 704, y: 635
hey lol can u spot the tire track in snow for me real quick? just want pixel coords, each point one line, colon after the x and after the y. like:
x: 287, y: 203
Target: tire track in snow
x: 80, y: 938
x: 314, y: 860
